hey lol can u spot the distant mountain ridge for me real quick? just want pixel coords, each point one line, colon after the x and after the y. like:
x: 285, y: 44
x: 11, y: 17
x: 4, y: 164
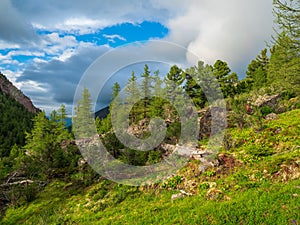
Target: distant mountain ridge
x: 8, y: 88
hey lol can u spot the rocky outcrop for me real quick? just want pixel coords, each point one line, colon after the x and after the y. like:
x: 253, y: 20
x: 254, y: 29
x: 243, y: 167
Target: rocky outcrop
x: 212, y: 121
x: 267, y: 100
x: 8, y: 88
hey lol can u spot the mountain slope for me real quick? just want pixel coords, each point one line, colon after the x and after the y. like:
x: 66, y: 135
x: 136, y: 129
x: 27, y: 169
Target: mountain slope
x: 16, y: 114
x: 8, y: 88
x: 248, y: 187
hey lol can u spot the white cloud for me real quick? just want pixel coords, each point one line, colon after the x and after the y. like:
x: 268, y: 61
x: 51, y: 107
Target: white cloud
x: 38, y: 60
x: 75, y: 25
x: 25, y: 53
x: 232, y: 30
x: 56, y: 80
x: 12, y: 76
x: 112, y: 37
x: 7, y: 45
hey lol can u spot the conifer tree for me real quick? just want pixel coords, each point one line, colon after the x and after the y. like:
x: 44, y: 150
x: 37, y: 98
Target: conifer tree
x: 284, y: 68
x: 146, y: 90
x: 257, y: 70
x: 132, y: 95
x: 226, y: 79
x: 287, y: 18
x: 83, y: 121
x: 158, y: 101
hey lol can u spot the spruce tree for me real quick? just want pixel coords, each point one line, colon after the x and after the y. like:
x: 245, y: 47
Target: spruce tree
x: 226, y: 79
x: 146, y: 90
x: 256, y: 73
x: 83, y: 121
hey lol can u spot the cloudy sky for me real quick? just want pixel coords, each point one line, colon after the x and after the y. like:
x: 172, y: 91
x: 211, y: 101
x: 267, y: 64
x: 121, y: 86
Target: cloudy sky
x: 46, y: 46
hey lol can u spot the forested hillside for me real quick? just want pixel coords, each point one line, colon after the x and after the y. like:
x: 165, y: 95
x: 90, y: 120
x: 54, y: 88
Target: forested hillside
x: 15, y: 120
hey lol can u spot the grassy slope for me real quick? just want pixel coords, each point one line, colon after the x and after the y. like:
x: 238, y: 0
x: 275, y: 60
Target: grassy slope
x: 263, y: 187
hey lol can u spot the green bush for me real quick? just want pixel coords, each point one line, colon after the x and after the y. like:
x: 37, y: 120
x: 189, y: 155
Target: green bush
x: 173, y: 182
x: 265, y: 110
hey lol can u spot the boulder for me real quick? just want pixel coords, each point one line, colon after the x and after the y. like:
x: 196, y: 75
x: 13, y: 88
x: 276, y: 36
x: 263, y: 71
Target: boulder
x: 182, y: 194
x: 213, y: 120
x: 177, y: 196
x: 271, y: 116
x: 267, y: 100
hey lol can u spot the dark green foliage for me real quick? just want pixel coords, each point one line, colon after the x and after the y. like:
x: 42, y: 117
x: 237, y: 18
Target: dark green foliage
x: 200, y: 85
x: 257, y: 70
x: 226, y: 79
x: 284, y: 69
x: 194, y: 90
x: 14, y: 121
x: 238, y: 116
x: 176, y: 75
x: 134, y: 157
x: 244, y: 86
x: 285, y: 57
x: 265, y: 110
x: 44, y: 154
x: 263, y: 152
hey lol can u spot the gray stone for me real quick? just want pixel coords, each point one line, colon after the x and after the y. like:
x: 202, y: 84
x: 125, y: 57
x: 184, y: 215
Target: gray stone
x: 271, y: 116
x: 267, y: 100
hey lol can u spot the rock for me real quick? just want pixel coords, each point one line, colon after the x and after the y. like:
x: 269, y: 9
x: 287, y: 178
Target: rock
x: 8, y: 88
x: 226, y: 161
x: 66, y: 143
x: 213, y: 121
x: 200, y: 154
x: 214, y: 194
x: 182, y: 194
x: 271, y: 116
x: 227, y: 198
x: 205, y: 165
x: 182, y: 150
x: 210, y: 184
x: 177, y: 196
x: 278, y: 131
x: 280, y: 109
x: 202, y: 168
x: 267, y: 100
x: 81, y: 162
x: 185, y: 193
x: 185, y: 151
x: 88, y: 142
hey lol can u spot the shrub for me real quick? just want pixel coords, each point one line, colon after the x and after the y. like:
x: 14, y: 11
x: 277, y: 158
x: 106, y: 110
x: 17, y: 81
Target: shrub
x: 265, y: 110
x: 173, y: 182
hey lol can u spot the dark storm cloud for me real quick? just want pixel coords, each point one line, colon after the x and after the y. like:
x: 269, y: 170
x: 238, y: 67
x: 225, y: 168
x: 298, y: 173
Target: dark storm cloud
x: 14, y: 28
x: 60, y: 78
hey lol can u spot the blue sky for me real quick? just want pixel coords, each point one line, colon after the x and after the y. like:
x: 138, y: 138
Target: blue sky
x: 112, y: 36
x: 46, y: 46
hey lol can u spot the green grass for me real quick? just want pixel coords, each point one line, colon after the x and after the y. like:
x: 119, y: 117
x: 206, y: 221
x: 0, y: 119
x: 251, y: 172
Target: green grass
x: 266, y: 204
x: 263, y: 187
